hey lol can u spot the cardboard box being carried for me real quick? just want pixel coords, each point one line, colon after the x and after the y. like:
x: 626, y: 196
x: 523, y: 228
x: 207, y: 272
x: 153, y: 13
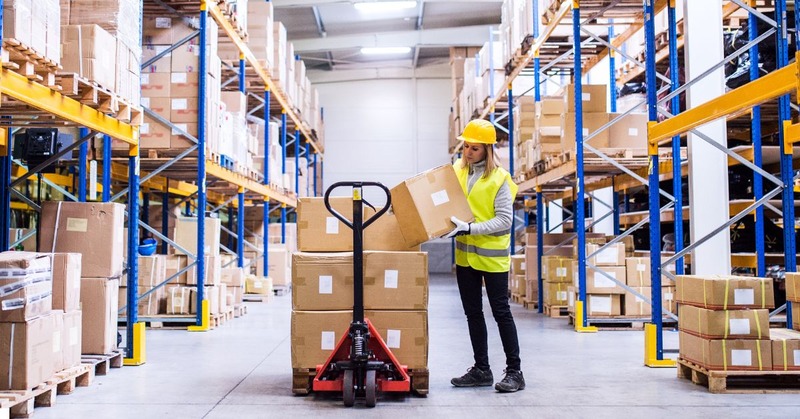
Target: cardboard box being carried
x: 725, y: 292
x: 724, y: 324
x: 727, y: 355
x: 322, y: 281
x: 26, y: 353
x: 27, y: 287
x: 785, y: 349
x: 79, y: 227
x: 186, y: 235
x: 66, y: 281
x: 99, y: 303
x: 395, y: 280
x: 424, y: 204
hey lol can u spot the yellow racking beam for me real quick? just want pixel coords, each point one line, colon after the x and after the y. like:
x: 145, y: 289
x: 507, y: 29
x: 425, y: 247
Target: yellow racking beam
x: 60, y: 180
x: 777, y: 83
x: 215, y: 12
x: 38, y: 96
x: 213, y: 169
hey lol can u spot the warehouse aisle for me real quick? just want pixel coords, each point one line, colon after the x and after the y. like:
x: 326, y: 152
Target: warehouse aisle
x: 242, y: 370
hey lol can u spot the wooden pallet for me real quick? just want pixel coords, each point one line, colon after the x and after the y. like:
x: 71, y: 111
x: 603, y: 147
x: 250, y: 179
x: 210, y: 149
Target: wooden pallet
x: 239, y: 310
x: 257, y: 298
x: 556, y: 312
x: 20, y: 404
x: 29, y: 63
x: 748, y: 382
x: 517, y: 298
x: 89, y: 93
x: 612, y: 323
x: 219, y: 319
x: 303, y: 379
x: 530, y: 305
x: 102, y: 363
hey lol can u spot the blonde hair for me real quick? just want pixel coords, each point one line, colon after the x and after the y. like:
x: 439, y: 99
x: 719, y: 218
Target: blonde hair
x: 491, y: 160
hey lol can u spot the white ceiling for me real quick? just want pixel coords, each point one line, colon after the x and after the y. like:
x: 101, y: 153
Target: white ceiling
x: 329, y: 34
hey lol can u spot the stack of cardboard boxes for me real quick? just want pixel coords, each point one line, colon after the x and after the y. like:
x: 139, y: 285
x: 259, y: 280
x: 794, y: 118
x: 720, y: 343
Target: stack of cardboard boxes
x: 724, y: 322
x: 214, y: 290
x: 74, y: 227
x: 152, y: 272
x: 637, y: 276
x: 603, y: 295
x: 517, y: 281
x: 35, y: 24
x: 557, y: 275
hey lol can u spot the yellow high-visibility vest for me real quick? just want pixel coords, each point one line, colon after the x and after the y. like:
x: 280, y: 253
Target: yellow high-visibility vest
x: 484, y: 252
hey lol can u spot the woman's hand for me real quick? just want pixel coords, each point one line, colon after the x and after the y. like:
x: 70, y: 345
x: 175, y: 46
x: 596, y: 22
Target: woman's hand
x: 462, y: 228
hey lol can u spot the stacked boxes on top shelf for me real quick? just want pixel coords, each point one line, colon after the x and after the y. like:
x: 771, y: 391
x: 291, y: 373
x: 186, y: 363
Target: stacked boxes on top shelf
x: 35, y: 24
x: 724, y: 322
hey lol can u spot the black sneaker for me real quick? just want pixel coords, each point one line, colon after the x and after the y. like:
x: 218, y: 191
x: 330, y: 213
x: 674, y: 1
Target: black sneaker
x: 475, y: 377
x: 513, y: 381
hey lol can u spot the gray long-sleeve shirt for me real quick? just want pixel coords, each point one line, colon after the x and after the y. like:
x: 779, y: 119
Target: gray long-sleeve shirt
x: 503, y: 204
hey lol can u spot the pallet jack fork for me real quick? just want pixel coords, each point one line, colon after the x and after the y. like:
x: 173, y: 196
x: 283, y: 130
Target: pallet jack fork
x: 361, y: 364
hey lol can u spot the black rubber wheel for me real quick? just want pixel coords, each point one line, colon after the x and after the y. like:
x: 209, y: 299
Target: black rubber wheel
x: 371, y: 389
x: 348, y: 389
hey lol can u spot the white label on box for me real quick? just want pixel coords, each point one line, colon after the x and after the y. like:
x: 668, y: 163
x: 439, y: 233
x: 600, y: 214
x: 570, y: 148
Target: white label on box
x: 440, y: 198
x: 179, y: 78
x: 640, y: 267
x: 145, y: 101
x: 144, y: 129
x: 744, y: 296
x: 741, y: 357
x: 601, y: 281
x: 325, y: 284
x: 163, y: 23
x: 393, y: 338
x: 586, y: 96
x: 390, y: 278
x: 182, y: 127
x: 57, y: 341
x: 80, y: 225
x: 586, y: 132
x: 73, y: 335
x: 328, y: 341
x: 797, y: 357
x: 561, y: 272
x: 332, y: 225
x: 598, y: 304
x: 668, y: 296
x: 257, y: 284
x: 145, y: 79
x: 607, y: 256
x: 739, y: 326
x: 561, y: 295
x: 522, y: 266
x: 633, y: 132
x: 179, y: 104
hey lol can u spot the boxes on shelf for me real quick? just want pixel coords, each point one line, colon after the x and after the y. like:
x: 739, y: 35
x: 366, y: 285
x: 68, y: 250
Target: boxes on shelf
x: 212, y: 269
x: 793, y: 287
x: 518, y: 285
x: 613, y: 255
x: 232, y: 277
x: 636, y: 306
x: 557, y: 268
x: 175, y: 264
x: 599, y: 281
x: 593, y: 98
x: 424, y: 204
x: 280, y: 266
x: 28, y: 286
x: 630, y: 133
x: 604, y: 305
x: 90, y: 51
x: 177, y: 300
x: 725, y: 292
x: 99, y: 303
x: 66, y: 268
x: 257, y: 285
x: 212, y: 294
x: 80, y: 227
x: 186, y: 235
x: 555, y: 293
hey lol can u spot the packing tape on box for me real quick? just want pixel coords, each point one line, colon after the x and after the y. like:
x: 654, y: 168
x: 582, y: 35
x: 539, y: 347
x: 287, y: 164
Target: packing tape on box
x: 11, y: 354
x: 55, y: 226
x: 758, y: 325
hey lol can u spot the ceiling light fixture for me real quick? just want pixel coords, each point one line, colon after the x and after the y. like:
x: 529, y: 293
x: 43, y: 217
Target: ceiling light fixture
x: 384, y: 6
x: 385, y: 50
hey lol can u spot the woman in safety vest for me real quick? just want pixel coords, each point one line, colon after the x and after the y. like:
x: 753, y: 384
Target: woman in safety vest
x: 483, y: 255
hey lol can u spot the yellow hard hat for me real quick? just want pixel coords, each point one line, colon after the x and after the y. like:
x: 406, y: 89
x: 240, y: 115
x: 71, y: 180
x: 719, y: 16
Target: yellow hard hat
x: 479, y: 131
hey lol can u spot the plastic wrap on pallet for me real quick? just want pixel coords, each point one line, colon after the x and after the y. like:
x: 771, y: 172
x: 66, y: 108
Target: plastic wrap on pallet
x: 260, y: 30
x: 17, y: 20
x: 53, y: 24
x: 239, y: 137
x: 121, y: 18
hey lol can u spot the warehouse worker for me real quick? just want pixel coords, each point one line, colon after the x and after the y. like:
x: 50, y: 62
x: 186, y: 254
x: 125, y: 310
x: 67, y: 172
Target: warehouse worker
x: 483, y: 257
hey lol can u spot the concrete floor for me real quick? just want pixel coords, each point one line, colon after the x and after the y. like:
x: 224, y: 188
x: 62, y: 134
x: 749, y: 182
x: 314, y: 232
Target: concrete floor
x: 242, y: 370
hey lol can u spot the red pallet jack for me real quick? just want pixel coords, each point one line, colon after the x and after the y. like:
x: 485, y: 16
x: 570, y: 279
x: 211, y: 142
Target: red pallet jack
x: 361, y: 364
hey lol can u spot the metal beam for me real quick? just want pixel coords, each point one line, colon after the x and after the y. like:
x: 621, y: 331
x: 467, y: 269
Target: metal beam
x: 459, y: 36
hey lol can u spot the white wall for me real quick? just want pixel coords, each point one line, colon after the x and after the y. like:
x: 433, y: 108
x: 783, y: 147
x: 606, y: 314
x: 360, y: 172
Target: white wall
x: 384, y: 130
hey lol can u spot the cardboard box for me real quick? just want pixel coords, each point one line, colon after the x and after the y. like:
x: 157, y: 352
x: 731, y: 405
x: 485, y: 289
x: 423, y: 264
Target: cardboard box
x: 724, y: 324
x: 26, y: 353
x: 322, y: 281
x: 89, y: 51
x: 185, y: 59
x: 152, y: 271
x: 161, y: 66
x: 725, y: 292
x: 315, y: 335
x: 149, y: 305
x: 385, y: 234
x: 518, y: 285
x: 785, y: 349
x: 592, y: 122
x: 235, y: 295
x: 319, y: 231
x: 594, y: 97
x: 424, y: 204
x: 183, y: 110
x: 629, y: 132
x: 177, y: 300
x: 405, y: 333
x: 173, y: 265
x: 555, y: 293
x: 637, y: 272
x: 613, y: 255
x: 233, y: 277
x: 234, y: 101
x: 636, y: 306
x: 186, y: 235
x: 604, y: 305
x: 212, y: 294
x: 66, y: 281
x: 223, y: 298
x: 156, y: 85
x: 153, y: 134
x: 550, y: 105
x: 257, y: 285
x: 27, y: 287
x: 395, y: 280
x: 598, y: 283
x: 213, y: 269
x: 81, y: 226
x: 557, y: 268
x: 99, y: 304
x: 160, y: 105
x: 793, y: 287
x: 66, y: 339
x: 727, y: 355
x: 185, y: 85
x: 279, y: 266
x: 795, y: 315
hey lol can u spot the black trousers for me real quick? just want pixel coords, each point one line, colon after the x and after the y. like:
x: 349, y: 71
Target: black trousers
x: 470, y: 283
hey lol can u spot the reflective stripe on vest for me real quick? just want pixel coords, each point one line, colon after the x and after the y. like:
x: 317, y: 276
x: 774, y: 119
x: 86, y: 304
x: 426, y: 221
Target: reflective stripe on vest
x: 486, y: 252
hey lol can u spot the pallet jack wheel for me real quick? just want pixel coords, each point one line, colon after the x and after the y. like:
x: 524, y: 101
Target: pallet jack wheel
x: 348, y: 389
x: 371, y: 389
